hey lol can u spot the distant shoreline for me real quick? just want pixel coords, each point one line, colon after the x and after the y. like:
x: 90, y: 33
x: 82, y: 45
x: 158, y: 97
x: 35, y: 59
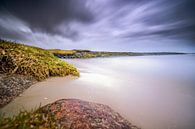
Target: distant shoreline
x: 69, y: 54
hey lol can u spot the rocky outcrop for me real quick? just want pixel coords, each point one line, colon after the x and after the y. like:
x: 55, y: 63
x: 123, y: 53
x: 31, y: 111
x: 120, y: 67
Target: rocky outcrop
x: 13, y: 85
x: 78, y: 114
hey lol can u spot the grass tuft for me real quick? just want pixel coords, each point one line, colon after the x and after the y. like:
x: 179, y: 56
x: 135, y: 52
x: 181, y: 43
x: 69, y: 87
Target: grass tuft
x: 29, y: 120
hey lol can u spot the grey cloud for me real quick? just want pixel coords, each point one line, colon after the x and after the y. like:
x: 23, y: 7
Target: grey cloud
x: 137, y: 18
x: 47, y: 15
x: 12, y: 28
x: 7, y: 34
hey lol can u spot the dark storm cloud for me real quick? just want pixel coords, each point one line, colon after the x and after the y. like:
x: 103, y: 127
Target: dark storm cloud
x: 97, y: 22
x: 166, y: 18
x: 12, y: 28
x: 48, y: 15
x: 183, y: 32
x: 178, y: 13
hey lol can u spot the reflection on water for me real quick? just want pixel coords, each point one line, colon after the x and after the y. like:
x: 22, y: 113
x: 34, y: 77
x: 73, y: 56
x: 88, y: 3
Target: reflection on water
x: 153, y: 92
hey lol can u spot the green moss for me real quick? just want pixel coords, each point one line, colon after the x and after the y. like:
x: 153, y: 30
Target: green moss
x: 32, y: 61
x: 29, y: 120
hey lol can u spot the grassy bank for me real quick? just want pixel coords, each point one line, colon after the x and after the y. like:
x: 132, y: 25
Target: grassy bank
x: 32, y: 61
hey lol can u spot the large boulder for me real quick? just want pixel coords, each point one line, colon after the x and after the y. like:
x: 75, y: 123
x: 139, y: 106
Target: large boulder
x: 78, y: 114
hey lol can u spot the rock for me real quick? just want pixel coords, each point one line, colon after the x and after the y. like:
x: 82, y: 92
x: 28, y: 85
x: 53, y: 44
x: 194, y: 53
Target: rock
x: 78, y: 114
x: 12, y: 86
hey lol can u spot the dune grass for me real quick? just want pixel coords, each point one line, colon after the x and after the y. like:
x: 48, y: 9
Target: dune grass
x: 84, y: 53
x: 29, y: 120
x: 32, y: 61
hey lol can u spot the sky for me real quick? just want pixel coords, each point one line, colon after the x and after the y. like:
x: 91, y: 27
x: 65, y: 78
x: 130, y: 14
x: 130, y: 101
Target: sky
x: 105, y: 25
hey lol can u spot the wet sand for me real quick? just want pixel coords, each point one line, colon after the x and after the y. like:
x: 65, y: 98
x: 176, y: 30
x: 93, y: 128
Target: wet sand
x: 153, y: 92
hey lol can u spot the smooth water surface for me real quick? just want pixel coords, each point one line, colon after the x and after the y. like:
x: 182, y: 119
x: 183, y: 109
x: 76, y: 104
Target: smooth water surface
x: 152, y: 92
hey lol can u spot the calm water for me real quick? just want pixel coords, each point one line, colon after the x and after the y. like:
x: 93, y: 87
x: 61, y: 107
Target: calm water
x: 153, y: 92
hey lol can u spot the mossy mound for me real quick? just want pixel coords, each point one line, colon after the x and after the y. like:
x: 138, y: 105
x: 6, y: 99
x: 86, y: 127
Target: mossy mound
x: 32, y: 61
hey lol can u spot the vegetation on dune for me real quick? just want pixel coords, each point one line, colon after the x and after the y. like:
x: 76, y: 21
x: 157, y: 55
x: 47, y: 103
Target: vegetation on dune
x: 32, y: 61
x: 91, y: 54
x: 86, y: 53
x: 29, y: 120
x: 62, y: 52
x: 72, y: 53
